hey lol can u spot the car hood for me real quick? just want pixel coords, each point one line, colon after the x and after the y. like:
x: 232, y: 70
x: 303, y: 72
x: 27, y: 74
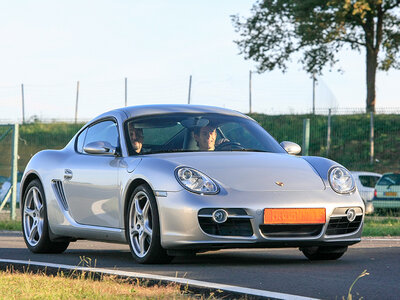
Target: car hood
x: 252, y: 171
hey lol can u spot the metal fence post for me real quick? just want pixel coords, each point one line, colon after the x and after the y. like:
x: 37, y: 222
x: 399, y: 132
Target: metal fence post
x: 14, y: 172
x: 306, y: 136
x: 371, y: 139
x: 328, y: 134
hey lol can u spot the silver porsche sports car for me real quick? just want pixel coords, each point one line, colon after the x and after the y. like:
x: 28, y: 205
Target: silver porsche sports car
x: 179, y: 179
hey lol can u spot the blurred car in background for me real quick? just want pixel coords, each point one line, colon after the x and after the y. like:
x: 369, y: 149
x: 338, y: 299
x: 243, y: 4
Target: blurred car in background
x: 366, y: 182
x: 387, y: 191
x: 5, y: 184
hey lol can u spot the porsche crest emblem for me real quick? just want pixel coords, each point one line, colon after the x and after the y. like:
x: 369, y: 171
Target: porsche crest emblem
x: 279, y: 183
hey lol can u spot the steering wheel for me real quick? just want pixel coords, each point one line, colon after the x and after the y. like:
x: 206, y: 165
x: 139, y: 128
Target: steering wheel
x: 229, y: 146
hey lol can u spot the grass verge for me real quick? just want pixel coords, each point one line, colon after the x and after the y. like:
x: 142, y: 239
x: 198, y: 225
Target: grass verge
x: 10, y: 225
x: 380, y: 226
x: 28, y: 285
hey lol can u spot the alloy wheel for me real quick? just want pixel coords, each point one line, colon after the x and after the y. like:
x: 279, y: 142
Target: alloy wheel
x: 140, y: 224
x: 33, y: 216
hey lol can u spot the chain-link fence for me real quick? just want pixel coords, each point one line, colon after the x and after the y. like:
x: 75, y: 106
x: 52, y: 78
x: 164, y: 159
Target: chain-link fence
x: 348, y: 143
x: 350, y: 138
x: 8, y: 185
x: 5, y: 150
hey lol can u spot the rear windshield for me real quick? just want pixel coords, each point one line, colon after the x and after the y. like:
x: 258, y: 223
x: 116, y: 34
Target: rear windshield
x: 389, y: 179
x: 368, y: 181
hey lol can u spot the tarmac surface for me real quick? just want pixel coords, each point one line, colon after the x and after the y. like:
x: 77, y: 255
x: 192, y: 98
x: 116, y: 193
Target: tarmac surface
x: 275, y: 270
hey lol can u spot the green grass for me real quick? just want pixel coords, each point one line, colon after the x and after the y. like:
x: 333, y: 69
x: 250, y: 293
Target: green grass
x: 10, y: 225
x: 381, y: 226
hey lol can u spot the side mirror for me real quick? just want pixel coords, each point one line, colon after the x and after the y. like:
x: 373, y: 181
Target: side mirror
x: 100, y: 148
x: 290, y: 147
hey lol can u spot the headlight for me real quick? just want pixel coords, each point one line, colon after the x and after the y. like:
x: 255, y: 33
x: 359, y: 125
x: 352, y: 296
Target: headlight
x: 195, y: 181
x: 341, y: 180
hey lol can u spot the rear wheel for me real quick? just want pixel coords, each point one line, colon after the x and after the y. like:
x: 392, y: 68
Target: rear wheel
x: 323, y: 252
x: 143, y: 227
x: 35, y: 225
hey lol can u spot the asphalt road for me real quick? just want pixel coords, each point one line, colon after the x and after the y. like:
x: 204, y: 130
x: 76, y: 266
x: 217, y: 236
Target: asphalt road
x: 276, y: 270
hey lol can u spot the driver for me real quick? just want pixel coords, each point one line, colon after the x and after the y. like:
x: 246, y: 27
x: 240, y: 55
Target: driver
x: 205, y: 137
x: 136, y: 136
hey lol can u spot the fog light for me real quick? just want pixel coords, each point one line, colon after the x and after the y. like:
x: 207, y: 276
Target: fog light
x: 220, y: 216
x: 351, y: 214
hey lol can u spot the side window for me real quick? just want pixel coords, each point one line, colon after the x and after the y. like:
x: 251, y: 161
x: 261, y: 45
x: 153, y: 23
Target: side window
x: 105, y: 131
x: 80, y: 140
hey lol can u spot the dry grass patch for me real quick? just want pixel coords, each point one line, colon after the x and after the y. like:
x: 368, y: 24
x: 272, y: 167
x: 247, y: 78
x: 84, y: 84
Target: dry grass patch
x: 16, y: 285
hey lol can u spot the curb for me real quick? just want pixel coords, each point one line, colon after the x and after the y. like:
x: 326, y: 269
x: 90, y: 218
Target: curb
x: 195, y: 287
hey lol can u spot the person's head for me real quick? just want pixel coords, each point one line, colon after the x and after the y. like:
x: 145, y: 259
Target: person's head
x: 136, y: 136
x: 205, y: 137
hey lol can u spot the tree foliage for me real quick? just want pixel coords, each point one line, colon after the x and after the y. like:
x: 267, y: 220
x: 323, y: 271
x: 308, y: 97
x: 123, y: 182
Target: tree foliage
x: 277, y: 29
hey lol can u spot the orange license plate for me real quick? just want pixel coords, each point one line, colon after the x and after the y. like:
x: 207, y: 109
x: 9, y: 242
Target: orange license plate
x: 294, y: 216
x: 393, y: 194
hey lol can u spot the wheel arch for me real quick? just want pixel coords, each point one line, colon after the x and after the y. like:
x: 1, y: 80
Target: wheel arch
x: 27, y: 180
x: 132, y: 186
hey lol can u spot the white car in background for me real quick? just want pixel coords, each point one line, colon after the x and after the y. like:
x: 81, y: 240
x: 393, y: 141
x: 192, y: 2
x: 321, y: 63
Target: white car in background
x: 5, y: 184
x: 4, y: 189
x: 366, y: 182
x: 387, y: 191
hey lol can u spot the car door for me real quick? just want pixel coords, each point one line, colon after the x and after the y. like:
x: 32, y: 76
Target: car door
x: 91, y: 180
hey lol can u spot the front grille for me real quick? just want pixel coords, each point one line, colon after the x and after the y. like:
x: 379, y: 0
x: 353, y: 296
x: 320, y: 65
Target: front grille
x: 300, y: 230
x: 340, y: 225
x: 60, y: 194
x: 237, y: 224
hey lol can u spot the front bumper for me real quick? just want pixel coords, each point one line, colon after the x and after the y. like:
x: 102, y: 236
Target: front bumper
x: 181, y: 214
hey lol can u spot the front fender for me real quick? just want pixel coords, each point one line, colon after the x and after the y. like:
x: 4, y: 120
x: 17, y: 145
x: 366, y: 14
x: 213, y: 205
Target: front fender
x: 158, y: 173
x: 322, y: 166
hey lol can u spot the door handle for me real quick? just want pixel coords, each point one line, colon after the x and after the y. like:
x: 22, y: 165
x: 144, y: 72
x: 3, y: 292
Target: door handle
x: 67, y: 174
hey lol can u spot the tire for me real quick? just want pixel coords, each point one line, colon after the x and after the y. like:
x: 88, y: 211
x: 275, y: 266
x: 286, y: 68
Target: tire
x: 35, y: 224
x: 323, y: 252
x: 143, y: 227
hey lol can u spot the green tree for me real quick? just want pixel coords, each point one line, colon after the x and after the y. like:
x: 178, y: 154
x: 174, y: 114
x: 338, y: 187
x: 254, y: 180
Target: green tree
x: 317, y: 29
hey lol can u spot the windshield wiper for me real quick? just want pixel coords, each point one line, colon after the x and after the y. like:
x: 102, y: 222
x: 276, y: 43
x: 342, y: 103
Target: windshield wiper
x: 250, y: 150
x: 170, y: 151
x: 187, y: 150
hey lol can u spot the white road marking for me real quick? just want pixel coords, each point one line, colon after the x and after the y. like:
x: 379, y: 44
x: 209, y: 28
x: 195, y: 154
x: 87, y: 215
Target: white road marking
x: 183, y: 281
x: 381, y: 239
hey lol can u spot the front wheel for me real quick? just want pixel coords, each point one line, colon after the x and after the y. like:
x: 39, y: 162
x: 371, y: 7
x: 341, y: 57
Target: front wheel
x: 35, y: 224
x: 323, y: 252
x: 143, y: 227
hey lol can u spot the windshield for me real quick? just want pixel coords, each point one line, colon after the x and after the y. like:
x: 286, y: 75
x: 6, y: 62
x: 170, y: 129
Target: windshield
x: 196, y: 132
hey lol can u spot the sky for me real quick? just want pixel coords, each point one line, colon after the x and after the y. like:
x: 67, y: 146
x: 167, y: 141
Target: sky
x: 50, y: 45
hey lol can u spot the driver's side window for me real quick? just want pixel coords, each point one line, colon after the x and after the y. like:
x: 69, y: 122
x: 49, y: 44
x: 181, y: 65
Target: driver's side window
x: 105, y: 131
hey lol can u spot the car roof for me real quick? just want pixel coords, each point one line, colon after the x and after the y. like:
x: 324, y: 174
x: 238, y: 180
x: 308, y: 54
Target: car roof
x: 157, y: 109
x: 392, y: 173
x: 362, y: 173
x: 144, y: 110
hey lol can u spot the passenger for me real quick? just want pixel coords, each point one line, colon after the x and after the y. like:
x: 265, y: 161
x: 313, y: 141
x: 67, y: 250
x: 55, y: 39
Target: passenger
x: 205, y: 137
x: 136, y: 136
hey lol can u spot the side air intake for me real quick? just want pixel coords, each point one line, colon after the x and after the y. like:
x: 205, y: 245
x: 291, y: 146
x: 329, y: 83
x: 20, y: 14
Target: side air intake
x: 60, y: 194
